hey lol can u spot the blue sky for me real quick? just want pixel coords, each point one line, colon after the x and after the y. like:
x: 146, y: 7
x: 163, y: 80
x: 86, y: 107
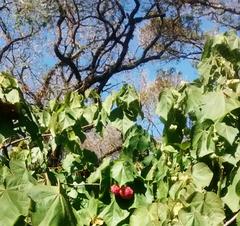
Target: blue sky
x: 183, y: 66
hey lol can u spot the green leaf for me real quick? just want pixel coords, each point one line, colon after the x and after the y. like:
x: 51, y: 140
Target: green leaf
x: 238, y: 220
x: 207, y: 49
x: 90, y: 113
x: 44, y: 118
x: 52, y: 208
x: 108, y: 103
x: 120, y: 120
x: 66, y: 119
x: 227, y: 132
x: 202, y: 141
x: 7, y: 80
x: 20, y: 178
x: 193, y: 218
x: 205, y: 70
x: 13, y: 96
x: 208, y: 111
x: 140, y: 200
x: 163, y: 190
x: 37, y: 155
x: 231, y: 104
x: 150, y: 215
x: 232, y: 198
x: 123, y: 172
x: 13, y: 204
x: 210, y: 205
x: 165, y: 104
x: 14, y: 201
x: 230, y: 39
x: 136, y: 139
x: 97, y: 175
x: 238, y: 188
x: 194, y: 97
x: 89, y: 212
x: 205, y: 209
x: 69, y: 160
x: 201, y: 175
x: 113, y: 214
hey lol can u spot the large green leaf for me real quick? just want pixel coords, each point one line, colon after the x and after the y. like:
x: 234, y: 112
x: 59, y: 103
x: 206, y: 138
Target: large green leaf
x: 52, y: 207
x: 120, y: 120
x: 87, y: 215
x: 227, y: 132
x: 165, y: 104
x: 66, y: 119
x: 193, y: 218
x: 140, y: 200
x: 202, y: 141
x: 68, y: 162
x: 205, y: 209
x: 154, y: 214
x: 129, y: 102
x: 108, y: 103
x: 123, y: 172
x: 210, y: 205
x: 208, y: 111
x: 13, y: 96
x: 13, y: 204
x: 194, y: 97
x: 113, y: 214
x: 44, y: 118
x: 9, y: 90
x: 224, y: 106
x: 201, y: 175
x: 232, y: 199
x: 14, y: 201
x: 136, y: 139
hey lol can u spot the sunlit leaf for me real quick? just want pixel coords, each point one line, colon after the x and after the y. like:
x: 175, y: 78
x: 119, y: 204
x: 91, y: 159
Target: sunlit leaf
x: 201, y: 174
x: 52, y: 207
x: 113, y: 214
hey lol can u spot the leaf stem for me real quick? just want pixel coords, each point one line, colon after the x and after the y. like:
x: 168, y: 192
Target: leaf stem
x: 232, y: 219
x: 220, y: 179
x: 80, y: 185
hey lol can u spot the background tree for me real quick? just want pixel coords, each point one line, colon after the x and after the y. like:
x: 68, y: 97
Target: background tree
x: 149, y: 94
x: 53, y: 46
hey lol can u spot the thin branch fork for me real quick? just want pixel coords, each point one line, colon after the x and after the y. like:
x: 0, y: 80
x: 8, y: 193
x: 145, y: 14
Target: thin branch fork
x: 11, y: 43
x: 66, y: 60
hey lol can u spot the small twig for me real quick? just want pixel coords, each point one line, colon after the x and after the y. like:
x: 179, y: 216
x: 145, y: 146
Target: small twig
x: 110, y: 87
x: 24, y: 138
x: 114, y: 150
x: 232, y: 219
x: 87, y: 127
x: 15, y: 142
x: 84, y: 184
x: 219, y: 189
x: 84, y: 128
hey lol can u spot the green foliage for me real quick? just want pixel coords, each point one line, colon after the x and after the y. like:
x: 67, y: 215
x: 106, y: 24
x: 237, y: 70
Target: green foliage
x: 191, y: 177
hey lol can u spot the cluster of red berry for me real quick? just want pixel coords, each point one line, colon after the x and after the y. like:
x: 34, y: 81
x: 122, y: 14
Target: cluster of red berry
x: 125, y: 192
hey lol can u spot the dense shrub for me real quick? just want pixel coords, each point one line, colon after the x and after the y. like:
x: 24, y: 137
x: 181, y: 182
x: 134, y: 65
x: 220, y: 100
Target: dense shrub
x: 191, y: 177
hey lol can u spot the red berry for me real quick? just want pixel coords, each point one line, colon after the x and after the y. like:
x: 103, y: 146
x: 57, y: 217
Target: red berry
x: 115, y: 189
x: 126, y: 192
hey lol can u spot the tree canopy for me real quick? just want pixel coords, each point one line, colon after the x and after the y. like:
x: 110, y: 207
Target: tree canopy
x: 53, y: 46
